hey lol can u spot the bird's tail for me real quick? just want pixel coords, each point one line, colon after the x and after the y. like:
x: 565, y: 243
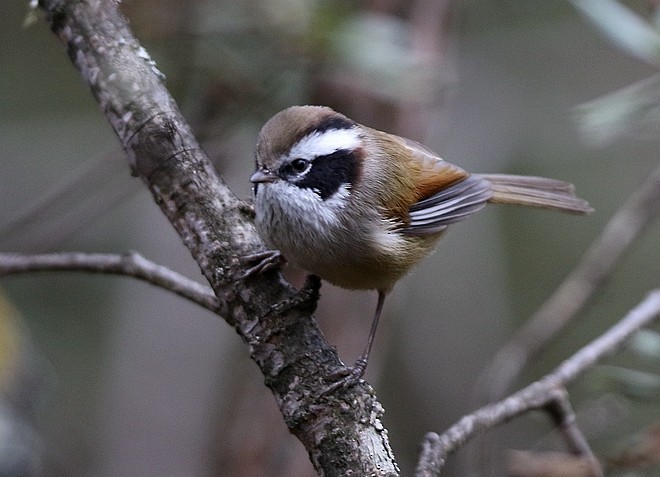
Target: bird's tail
x: 536, y: 192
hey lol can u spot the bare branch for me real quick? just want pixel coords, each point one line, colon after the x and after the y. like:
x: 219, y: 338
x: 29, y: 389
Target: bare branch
x: 130, y: 264
x: 540, y: 394
x: 575, y: 292
x: 562, y: 413
x: 47, y: 221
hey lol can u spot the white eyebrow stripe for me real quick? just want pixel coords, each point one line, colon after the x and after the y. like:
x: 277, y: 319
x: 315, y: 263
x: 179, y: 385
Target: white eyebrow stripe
x: 323, y: 143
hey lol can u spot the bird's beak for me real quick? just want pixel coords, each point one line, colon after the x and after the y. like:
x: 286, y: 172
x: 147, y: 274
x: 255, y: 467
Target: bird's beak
x: 263, y: 175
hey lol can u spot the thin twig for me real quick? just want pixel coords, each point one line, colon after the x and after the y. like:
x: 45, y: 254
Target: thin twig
x: 130, y: 264
x: 64, y: 208
x: 574, y: 293
x: 562, y: 413
x: 436, y: 448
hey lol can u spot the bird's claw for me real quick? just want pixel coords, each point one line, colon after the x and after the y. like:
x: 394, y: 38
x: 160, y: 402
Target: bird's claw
x: 346, y: 377
x: 262, y: 262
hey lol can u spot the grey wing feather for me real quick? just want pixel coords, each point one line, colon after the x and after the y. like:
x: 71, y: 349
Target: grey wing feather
x: 419, y: 151
x: 450, y: 205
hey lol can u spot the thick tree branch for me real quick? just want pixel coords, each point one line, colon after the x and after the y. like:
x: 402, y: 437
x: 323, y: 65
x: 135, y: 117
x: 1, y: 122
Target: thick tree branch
x: 131, y: 264
x: 342, y: 432
x: 547, y: 393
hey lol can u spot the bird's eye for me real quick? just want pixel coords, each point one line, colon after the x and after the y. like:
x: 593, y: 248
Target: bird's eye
x: 299, y: 165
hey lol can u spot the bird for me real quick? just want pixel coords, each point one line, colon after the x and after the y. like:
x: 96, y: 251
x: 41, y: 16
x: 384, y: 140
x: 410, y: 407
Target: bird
x: 360, y: 208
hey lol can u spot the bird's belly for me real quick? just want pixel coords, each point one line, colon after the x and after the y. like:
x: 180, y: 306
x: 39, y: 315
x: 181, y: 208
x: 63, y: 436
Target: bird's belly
x: 354, y: 260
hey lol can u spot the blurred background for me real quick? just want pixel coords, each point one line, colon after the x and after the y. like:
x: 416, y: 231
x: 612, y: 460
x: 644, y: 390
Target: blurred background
x: 107, y: 376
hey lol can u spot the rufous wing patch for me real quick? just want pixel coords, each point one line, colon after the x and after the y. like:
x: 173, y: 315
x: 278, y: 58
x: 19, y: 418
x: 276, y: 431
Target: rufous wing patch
x: 431, y: 173
x: 409, y: 177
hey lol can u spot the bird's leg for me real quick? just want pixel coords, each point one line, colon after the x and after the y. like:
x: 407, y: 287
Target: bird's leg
x: 352, y: 376
x: 361, y: 364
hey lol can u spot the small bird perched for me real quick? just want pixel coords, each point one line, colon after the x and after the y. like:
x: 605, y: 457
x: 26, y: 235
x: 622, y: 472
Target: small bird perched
x: 360, y: 207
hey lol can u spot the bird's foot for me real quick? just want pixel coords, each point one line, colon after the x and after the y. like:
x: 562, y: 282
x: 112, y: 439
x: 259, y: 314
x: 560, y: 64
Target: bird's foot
x: 261, y: 262
x: 346, y: 377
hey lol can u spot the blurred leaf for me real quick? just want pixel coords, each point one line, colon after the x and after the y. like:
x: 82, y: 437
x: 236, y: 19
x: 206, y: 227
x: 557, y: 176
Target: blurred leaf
x: 21, y: 444
x: 646, y: 344
x: 623, y: 27
x: 635, y: 108
x: 10, y: 344
x: 376, y: 50
x: 33, y: 15
x: 630, y: 382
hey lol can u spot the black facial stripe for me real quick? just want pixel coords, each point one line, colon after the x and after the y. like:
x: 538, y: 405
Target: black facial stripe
x: 333, y: 122
x: 328, y: 173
